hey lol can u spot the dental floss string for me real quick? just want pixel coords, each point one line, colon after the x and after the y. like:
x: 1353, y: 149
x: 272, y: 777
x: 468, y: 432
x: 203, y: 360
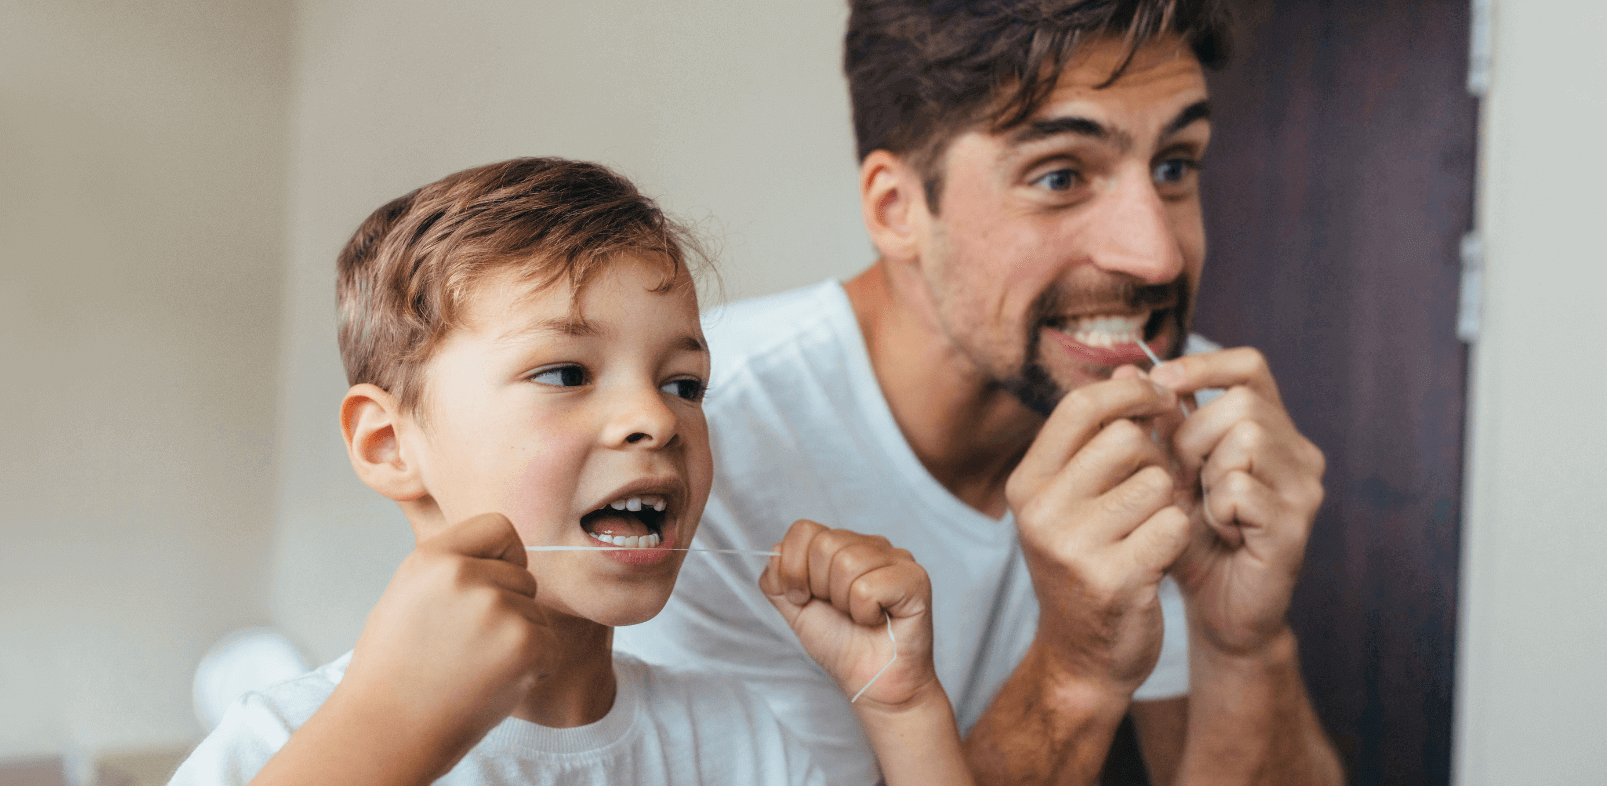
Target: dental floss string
x: 1157, y: 361
x: 884, y: 668
x: 628, y: 548
x: 890, y: 636
x: 1204, y: 492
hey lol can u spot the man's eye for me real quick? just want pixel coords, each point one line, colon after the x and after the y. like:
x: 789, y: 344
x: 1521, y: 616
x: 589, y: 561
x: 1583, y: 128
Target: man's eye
x: 689, y: 389
x: 1058, y: 180
x: 1174, y: 170
x: 561, y: 376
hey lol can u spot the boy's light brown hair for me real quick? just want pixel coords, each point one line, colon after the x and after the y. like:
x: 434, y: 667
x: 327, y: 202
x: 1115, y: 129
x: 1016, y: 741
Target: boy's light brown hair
x: 404, y: 277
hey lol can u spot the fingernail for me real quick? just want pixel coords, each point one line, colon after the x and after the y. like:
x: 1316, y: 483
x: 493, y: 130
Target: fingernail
x: 797, y: 597
x: 1167, y: 374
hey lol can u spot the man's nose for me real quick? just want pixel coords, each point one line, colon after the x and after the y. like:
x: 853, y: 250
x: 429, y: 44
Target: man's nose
x: 1131, y: 233
x: 640, y: 418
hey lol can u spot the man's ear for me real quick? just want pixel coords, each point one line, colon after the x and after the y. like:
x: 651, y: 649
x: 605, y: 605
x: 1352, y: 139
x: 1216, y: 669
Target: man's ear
x: 892, y: 201
x: 369, y: 419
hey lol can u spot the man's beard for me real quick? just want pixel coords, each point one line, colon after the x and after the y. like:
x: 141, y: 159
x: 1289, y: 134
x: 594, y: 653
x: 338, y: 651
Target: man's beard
x: 1035, y: 387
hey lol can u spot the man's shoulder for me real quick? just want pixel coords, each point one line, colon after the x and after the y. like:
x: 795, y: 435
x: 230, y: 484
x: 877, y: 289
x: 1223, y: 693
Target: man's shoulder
x: 746, y: 330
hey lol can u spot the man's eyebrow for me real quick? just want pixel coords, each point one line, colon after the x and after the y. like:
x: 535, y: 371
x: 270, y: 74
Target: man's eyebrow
x: 1199, y: 110
x: 1035, y: 130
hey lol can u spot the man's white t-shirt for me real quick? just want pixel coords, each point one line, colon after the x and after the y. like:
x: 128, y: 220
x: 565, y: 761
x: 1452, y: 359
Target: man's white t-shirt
x: 800, y: 429
x: 666, y: 727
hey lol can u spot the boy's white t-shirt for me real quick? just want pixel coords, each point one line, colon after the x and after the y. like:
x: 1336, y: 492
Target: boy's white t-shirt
x: 666, y: 727
x: 800, y: 429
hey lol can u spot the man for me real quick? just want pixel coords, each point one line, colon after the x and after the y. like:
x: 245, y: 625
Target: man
x: 1029, y: 178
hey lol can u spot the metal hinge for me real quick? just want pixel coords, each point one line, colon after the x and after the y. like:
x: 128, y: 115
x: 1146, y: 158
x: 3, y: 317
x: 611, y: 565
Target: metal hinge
x: 1471, y: 303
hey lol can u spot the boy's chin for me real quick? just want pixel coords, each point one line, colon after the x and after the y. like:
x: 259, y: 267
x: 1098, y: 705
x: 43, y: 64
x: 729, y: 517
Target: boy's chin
x: 634, y: 608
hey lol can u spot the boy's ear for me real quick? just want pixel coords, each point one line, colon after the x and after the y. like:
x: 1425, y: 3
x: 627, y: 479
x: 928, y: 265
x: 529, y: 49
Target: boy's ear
x: 369, y: 418
x: 891, y: 200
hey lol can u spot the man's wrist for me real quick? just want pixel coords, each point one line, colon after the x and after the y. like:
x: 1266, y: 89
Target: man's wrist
x: 1067, y: 686
x: 1278, y: 649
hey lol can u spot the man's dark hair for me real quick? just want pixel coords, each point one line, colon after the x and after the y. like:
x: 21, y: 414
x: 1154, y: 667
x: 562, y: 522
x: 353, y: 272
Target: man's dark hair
x: 920, y: 72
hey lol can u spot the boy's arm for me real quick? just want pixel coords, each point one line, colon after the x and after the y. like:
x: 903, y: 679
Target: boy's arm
x: 444, y: 657
x: 843, y: 593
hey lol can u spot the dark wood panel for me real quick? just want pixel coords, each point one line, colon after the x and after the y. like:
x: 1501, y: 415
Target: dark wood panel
x: 1339, y: 184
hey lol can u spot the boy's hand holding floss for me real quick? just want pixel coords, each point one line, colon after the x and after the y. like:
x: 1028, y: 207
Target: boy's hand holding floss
x: 843, y: 593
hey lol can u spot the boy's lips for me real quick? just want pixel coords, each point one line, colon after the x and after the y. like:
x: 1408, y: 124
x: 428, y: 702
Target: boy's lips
x: 638, y: 521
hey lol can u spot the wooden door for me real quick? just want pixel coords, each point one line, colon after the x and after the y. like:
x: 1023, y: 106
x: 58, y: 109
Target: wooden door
x: 1338, y: 187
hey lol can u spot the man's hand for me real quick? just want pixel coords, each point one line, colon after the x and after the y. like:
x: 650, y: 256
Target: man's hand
x: 837, y: 589
x: 1262, y: 486
x: 1093, y: 501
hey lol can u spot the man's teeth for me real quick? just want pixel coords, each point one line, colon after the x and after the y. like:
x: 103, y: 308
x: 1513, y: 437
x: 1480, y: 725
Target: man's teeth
x: 1109, y: 331
x: 634, y: 504
x: 647, y: 541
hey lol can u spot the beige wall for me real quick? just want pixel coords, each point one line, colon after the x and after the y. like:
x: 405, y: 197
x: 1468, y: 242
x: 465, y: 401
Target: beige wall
x: 734, y: 114
x: 1534, y: 597
x: 142, y: 171
x: 176, y: 177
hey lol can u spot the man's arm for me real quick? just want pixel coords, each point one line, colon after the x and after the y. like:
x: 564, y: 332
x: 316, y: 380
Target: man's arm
x: 1253, y: 722
x: 1260, y: 486
x: 1093, y: 501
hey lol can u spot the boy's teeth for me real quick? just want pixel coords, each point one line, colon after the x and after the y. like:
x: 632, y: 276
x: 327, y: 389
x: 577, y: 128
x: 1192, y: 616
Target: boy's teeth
x: 648, y: 541
x: 636, y: 504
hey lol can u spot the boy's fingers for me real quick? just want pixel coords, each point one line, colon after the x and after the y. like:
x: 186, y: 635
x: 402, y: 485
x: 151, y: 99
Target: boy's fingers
x: 854, y: 560
x: 824, y: 549
x: 795, y: 547
x: 900, y: 589
x: 512, y: 578
x: 487, y: 536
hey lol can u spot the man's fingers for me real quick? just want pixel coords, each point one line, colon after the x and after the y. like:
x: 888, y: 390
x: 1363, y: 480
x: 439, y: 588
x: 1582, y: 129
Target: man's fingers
x: 487, y: 536
x: 1229, y: 368
x: 1079, y: 416
x: 1160, y: 540
x: 1068, y: 509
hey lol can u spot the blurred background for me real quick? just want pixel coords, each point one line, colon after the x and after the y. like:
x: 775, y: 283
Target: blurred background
x: 176, y: 177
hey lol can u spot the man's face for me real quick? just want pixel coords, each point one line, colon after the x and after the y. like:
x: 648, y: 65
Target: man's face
x: 1061, y: 242
x: 582, y: 425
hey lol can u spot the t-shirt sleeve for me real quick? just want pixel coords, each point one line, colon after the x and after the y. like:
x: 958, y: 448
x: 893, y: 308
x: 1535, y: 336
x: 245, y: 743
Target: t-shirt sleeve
x: 249, y: 734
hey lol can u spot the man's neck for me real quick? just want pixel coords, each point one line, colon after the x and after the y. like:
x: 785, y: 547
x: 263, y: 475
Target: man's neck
x: 966, y: 431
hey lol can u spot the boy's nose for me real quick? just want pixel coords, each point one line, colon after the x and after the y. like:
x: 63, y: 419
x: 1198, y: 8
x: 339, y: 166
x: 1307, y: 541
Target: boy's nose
x: 641, y: 419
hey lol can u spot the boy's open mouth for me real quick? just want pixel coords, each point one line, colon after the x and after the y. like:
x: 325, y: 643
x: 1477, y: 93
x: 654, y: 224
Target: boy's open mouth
x: 634, y: 522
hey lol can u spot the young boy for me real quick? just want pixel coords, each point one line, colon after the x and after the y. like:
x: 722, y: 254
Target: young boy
x: 527, y: 366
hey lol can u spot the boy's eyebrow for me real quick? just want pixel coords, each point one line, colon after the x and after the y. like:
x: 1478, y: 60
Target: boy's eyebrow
x: 691, y: 343
x: 567, y: 326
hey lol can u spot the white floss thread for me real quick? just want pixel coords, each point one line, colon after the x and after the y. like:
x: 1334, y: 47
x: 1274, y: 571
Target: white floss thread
x: 1157, y: 361
x: 1204, y: 492
x: 890, y: 636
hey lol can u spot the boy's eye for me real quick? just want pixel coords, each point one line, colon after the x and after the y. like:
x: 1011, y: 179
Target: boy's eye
x: 561, y: 376
x: 689, y: 389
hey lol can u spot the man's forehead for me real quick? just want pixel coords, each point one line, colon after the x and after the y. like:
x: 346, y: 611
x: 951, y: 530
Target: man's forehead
x: 1160, y: 91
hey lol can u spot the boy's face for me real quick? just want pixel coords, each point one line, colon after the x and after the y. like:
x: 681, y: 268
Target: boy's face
x: 556, y: 413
